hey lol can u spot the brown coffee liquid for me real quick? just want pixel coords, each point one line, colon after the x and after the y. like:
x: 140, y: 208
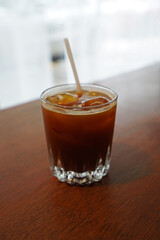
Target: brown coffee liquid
x: 79, y: 140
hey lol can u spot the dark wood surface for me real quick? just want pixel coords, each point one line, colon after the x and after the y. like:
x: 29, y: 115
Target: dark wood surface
x: 124, y: 205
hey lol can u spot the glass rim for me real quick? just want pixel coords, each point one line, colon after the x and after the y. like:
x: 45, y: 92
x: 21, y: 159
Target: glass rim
x: 78, y: 108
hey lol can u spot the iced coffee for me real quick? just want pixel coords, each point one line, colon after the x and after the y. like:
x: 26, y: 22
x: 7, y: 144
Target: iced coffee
x: 79, y: 131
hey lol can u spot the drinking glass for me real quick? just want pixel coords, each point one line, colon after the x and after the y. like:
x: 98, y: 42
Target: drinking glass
x: 79, y: 139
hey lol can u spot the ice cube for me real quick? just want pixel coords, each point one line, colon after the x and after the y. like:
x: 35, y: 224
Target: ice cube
x: 94, y: 102
x: 67, y: 99
x: 53, y: 99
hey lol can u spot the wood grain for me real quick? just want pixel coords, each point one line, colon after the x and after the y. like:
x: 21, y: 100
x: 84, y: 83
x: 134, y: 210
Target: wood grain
x: 124, y: 205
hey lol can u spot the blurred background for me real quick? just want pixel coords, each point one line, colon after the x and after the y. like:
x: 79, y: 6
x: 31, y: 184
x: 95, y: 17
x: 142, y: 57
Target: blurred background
x: 107, y: 37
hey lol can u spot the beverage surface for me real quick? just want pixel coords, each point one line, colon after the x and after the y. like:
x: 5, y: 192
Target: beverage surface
x: 88, y: 99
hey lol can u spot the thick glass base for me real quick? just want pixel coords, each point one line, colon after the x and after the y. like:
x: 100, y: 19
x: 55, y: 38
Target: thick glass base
x: 85, y: 178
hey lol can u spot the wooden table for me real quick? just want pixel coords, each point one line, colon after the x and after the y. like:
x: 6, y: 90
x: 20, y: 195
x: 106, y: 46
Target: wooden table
x: 124, y: 205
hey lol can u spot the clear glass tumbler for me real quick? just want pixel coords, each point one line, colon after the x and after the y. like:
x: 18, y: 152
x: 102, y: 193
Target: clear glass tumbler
x: 79, y: 139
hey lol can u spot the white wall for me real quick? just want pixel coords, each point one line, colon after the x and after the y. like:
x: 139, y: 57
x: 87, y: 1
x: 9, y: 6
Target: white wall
x: 108, y: 37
